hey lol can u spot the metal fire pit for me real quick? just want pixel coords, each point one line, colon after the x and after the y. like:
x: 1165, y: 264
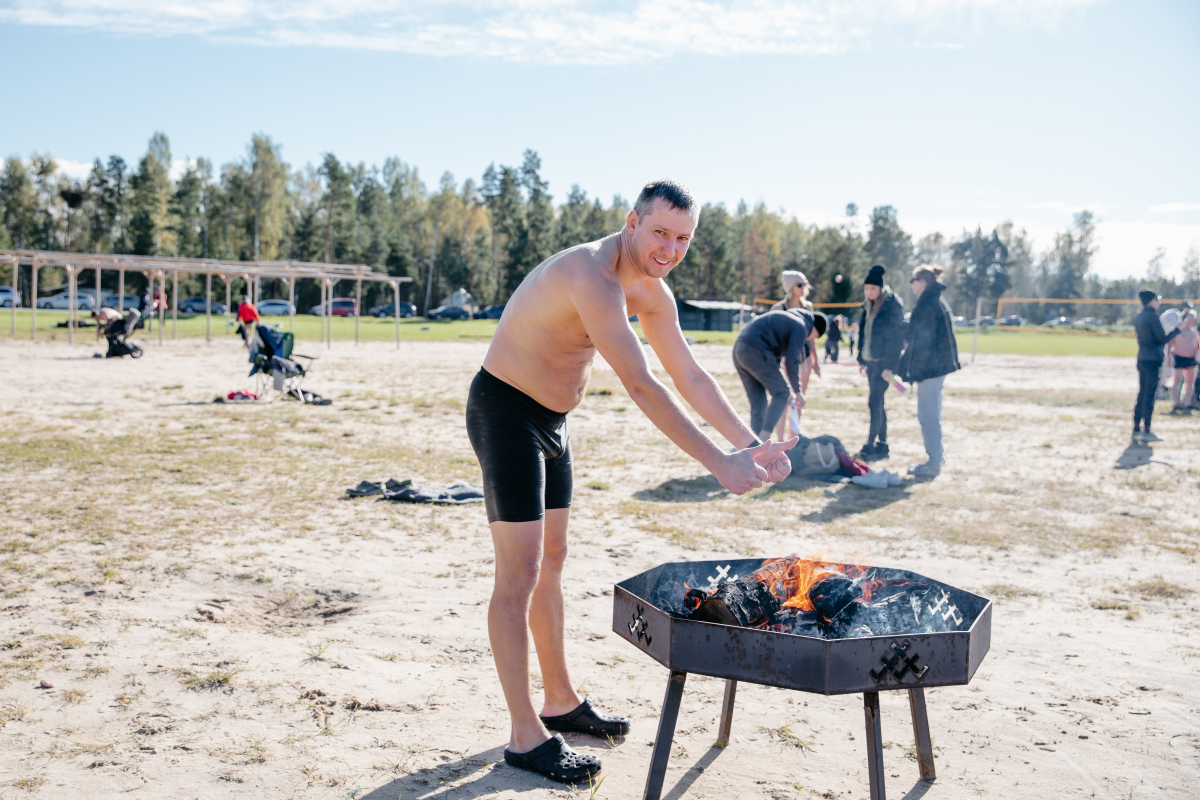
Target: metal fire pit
x: 646, y: 612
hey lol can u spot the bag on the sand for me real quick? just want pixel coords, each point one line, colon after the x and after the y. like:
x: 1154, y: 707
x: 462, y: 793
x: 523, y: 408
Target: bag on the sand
x: 819, y: 456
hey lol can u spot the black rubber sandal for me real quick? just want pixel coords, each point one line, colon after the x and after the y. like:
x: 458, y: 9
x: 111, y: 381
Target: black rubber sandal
x: 586, y: 719
x: 556, y: 760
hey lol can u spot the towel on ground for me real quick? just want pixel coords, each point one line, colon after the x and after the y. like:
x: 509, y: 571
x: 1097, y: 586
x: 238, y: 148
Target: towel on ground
x: 456, y: 493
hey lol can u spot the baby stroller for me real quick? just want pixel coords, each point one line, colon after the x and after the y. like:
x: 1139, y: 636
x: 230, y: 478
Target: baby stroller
x: 117, y: 332
x: 279, y: 375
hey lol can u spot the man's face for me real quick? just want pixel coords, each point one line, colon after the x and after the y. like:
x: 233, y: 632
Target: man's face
x: 1154, y: 304
x: 660, y: 239
x: 871, y: 291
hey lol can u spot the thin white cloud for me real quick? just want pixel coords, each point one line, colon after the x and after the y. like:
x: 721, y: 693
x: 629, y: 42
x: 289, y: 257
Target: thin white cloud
x: 1173, y: 208
x: 551, y: 31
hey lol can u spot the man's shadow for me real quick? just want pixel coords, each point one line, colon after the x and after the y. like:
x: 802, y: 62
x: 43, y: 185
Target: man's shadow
x: 1138, y: 455
x: 850, y: 498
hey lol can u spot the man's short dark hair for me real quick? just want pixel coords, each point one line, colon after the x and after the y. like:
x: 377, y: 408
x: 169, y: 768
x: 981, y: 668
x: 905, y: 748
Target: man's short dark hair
x: 674, y: 194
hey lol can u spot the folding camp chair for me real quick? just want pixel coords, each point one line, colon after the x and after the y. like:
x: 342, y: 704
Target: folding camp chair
x: 278, y: 371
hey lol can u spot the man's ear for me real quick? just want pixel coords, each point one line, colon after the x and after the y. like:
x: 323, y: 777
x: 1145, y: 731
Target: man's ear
x: 631, y: 220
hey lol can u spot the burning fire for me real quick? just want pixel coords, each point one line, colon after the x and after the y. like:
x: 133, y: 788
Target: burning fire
x: 790, y: 579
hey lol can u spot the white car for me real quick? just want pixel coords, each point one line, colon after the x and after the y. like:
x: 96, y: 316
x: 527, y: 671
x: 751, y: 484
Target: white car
x: 62, y: 301
x: 274, y: 308
x: 6, y: 297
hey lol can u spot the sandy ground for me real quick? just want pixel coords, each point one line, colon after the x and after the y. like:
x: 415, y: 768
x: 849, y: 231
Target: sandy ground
x: 207, y: 606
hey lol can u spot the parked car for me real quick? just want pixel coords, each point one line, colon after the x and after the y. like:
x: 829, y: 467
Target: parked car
x: 1088, y: 321
x: 406, y: 310
x: 6, y: 297
x: 1060, y: 321
x: 962, y: 322
x: 985, y: 321
x: 113, y: 300
x: 274, y: 308
x: 195, y: 305
x: 1012, y: 321
x: 491, y: 312
x: 448, y: 312
x: 62, y: 301
x: 342, y: 307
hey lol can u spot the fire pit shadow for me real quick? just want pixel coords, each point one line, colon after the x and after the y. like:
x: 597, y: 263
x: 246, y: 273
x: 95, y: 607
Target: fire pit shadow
x: 811, y: 626
x: 427, y: 782
x: 693, y: 773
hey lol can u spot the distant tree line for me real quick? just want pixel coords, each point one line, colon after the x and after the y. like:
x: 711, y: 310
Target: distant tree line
x: 486, y: 236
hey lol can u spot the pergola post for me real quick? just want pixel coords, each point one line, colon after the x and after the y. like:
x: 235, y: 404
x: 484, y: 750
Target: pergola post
x: 291, y: 282
x: 15, y: 262
x: 228, y: 303
x: 121, y: 290
x: 357, y: 309
x: 162, y: 312
x: 97, y: 287
x: 71, y: 310
x: 396, y: 309
x: 33, y: 300
x: 174, y: 305
x: 208, y: 307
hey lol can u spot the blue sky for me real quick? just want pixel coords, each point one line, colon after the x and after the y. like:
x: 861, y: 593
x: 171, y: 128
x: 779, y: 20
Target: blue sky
x: 957, y: 112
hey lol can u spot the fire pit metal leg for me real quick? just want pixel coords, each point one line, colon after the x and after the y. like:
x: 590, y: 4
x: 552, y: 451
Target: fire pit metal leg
x: 916, y: 701
x: 874, y: 745
x: 666, y: 733
x: 727, y: 713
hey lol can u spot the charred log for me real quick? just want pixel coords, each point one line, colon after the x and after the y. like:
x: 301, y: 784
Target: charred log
x: 833, y: 595
x: 745, y: 603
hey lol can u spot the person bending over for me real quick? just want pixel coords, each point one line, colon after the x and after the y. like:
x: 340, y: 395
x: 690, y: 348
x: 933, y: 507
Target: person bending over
x: 572, y: 306
x: 1150, y: 337
x: 880, y: 340
x: 930, y: 354
x: 756, y: 355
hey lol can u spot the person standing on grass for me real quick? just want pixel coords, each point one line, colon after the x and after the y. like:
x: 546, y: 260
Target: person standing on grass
x: 880, y: 341
x: 1184, y: 348
x: 930, y: 354
x: 1150, y: 338
x: 572, y: 306
x: 833, y: 338
x: 248, y: 316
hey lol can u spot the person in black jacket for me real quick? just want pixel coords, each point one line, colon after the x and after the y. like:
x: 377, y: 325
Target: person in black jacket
x: 833, y: 338
x: 880, y: 341
x: 930, y: 354
x: 756, y: 354
x: 1151, y: 339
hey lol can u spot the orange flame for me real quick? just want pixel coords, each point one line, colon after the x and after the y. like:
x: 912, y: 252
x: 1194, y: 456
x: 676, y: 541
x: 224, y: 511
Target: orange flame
x: 790, y: 579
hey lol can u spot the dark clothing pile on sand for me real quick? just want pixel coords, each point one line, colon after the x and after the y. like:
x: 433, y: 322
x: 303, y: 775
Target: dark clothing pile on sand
x: 456, y: 493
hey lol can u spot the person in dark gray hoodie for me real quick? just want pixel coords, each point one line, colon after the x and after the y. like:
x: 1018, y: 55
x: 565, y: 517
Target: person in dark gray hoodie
x: 1151, y: 339
x: 930, y: 354
x: 880, y: 341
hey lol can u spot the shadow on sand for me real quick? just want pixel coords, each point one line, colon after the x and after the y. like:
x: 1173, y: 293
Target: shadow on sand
x: 1138, y: 455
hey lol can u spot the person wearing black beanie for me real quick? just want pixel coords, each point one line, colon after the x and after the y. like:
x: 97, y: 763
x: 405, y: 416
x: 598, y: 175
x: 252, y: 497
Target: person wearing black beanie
x: 1151, y: 338
x: 880, y: 342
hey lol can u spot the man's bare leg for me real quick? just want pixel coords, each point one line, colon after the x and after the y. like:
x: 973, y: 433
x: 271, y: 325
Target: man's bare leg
x: 519, y: 552
x: 546, y: 618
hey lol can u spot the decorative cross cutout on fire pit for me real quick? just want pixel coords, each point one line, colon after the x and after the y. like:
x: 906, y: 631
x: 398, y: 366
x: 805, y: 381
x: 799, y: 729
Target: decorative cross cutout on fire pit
x: 952, y: 611
x: 638, y: 626
x: 722, y: 576
x: 889, y: 664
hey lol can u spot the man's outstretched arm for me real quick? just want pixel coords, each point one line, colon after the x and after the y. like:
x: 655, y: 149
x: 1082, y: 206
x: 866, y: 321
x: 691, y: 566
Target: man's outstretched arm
x: 602, y: 310
x: 660, y: 324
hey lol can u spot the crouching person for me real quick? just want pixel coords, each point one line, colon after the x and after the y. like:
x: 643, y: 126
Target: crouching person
x: 930, y: 354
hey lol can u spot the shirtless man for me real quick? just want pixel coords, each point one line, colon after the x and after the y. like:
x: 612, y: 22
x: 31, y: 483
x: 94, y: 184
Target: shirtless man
x: 572, y: 306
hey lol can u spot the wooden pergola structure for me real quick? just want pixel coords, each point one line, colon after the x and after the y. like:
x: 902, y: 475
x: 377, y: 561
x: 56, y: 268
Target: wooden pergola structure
x: 158, y: 268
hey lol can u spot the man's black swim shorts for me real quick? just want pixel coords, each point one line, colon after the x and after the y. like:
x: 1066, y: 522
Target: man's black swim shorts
x: 523, y: 449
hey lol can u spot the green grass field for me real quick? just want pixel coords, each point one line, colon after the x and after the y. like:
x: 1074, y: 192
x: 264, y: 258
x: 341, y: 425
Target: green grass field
x: 1028, y: 342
